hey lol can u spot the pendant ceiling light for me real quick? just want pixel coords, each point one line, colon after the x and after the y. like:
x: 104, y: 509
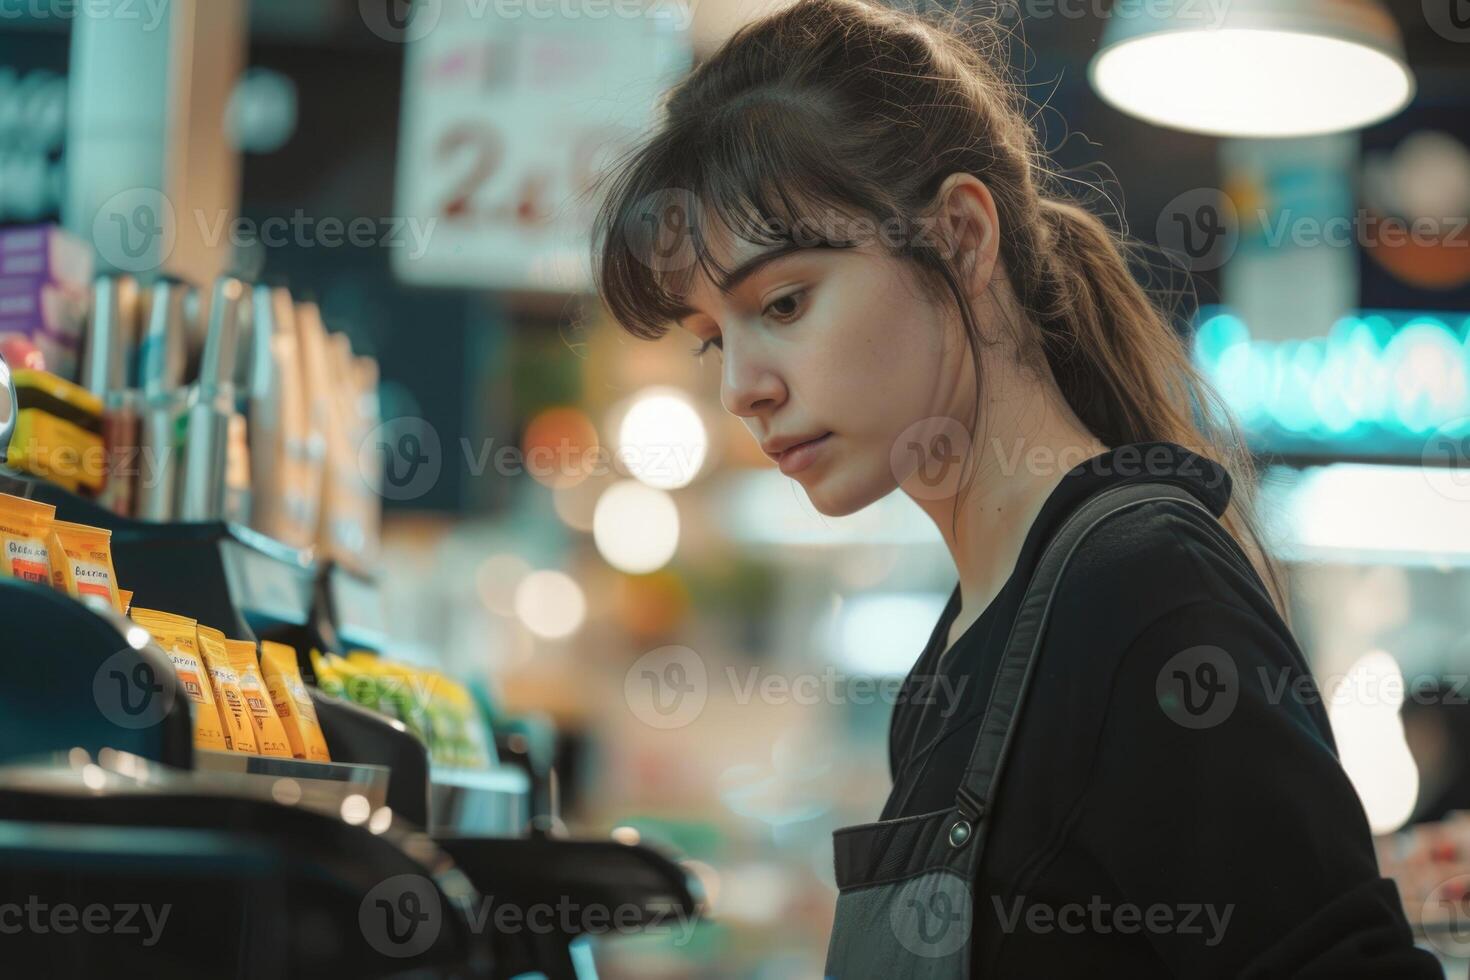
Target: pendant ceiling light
x: 1253, y: 67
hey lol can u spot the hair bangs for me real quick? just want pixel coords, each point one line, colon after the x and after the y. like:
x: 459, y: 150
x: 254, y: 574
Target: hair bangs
x: 755, y: 173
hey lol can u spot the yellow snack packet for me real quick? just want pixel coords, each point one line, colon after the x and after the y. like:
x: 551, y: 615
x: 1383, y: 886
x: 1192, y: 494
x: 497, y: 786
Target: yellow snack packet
x: 24, y: 525
x: 81, y: 561
x: 292, y: 702
x: 270, y: 734
x: 177, y: 635
x: 239, y: 730
x: 126, y: 598
x: 328, y: 681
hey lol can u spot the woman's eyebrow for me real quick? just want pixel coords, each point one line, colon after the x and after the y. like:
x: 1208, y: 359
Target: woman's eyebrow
x: 732, y: 280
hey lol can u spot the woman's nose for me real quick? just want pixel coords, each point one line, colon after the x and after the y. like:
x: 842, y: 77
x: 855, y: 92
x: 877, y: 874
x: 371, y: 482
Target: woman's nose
x: 749, y: 383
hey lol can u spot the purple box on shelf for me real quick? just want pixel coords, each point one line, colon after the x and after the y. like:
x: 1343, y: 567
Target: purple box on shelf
x: 46, y: 252
x: 42, y: 307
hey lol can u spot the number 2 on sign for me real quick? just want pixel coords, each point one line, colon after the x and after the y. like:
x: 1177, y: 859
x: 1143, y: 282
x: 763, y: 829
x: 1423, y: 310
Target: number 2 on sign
x: 485, y: 149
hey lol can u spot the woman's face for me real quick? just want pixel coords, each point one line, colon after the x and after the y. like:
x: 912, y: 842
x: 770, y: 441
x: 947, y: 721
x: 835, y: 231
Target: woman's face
x: 839, y: 342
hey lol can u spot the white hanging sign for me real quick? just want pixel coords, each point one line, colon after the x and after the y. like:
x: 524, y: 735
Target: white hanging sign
x: 510, y: 108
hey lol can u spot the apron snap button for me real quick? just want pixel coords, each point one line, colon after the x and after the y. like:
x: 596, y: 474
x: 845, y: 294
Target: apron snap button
x: 959, y: 833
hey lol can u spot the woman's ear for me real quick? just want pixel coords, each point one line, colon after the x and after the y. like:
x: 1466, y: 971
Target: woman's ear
x: 968, y: 229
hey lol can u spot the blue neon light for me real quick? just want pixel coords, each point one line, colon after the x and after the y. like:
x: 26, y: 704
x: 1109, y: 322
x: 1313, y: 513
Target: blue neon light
x: 1379, y: 382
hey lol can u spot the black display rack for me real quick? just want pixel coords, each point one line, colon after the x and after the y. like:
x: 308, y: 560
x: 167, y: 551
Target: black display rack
x: 103, y: 794
x: 227, y: 575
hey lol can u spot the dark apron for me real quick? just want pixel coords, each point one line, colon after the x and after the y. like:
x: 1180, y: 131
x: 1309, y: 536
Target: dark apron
x: 907, y: 887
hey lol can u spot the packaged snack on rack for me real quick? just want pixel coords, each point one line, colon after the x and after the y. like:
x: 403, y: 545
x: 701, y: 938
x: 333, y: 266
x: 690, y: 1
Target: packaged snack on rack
x: 292, y: 702
x: 24, y: 527
x: 359, y: 685
x: 401, y: 693
x: 81, y: 561
x: 179, y: 638
x: 58, y: 432
x: 328, y: 680
x: 442, y: 721
x: 270, y: 734
x: 471, y: 747
x: 435, y: 707
x: 239, y: 730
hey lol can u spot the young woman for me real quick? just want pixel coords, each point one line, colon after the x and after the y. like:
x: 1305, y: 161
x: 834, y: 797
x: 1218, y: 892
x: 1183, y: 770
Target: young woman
x: 848, y: 203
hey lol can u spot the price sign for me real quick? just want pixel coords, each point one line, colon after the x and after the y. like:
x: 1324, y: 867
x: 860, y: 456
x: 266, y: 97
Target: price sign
x: 510, y: 111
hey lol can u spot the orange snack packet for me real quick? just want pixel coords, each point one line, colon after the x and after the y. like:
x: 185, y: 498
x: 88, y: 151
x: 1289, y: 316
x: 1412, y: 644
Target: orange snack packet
x: 270, y: 734
x: 293, y: 702
x: 24, y: 526
x: 239, y: 729
x: 81, y: 561
x: 179, y: 639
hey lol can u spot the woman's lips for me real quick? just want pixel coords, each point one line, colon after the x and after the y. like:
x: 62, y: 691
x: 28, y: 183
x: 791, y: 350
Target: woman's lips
x: 802, y: 455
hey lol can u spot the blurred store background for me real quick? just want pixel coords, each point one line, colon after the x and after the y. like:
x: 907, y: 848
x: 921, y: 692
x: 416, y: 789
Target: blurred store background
x: 705, y: 663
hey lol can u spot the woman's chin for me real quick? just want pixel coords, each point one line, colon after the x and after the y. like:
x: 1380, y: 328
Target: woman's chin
x: 835, y: 498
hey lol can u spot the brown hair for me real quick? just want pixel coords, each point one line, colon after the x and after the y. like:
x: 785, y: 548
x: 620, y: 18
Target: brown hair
x: 846, y: 107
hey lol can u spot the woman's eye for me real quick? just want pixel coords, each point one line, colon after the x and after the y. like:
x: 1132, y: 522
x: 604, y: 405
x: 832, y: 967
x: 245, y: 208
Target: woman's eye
x: 789, y: 305
x: 794, y: 299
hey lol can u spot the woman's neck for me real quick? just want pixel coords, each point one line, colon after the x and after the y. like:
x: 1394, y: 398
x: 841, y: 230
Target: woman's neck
x: 1028, y: 439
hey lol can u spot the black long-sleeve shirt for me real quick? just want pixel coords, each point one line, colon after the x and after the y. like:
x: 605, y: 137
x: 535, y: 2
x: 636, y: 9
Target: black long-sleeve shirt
x: 1133, y: 836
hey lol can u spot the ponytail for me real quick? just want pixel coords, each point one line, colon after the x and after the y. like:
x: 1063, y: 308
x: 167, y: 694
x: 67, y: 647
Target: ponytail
x: 1122, y: 366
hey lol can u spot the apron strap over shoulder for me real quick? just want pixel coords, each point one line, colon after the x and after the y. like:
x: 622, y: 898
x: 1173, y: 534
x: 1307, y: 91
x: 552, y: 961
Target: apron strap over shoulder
x: 976, y: 795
